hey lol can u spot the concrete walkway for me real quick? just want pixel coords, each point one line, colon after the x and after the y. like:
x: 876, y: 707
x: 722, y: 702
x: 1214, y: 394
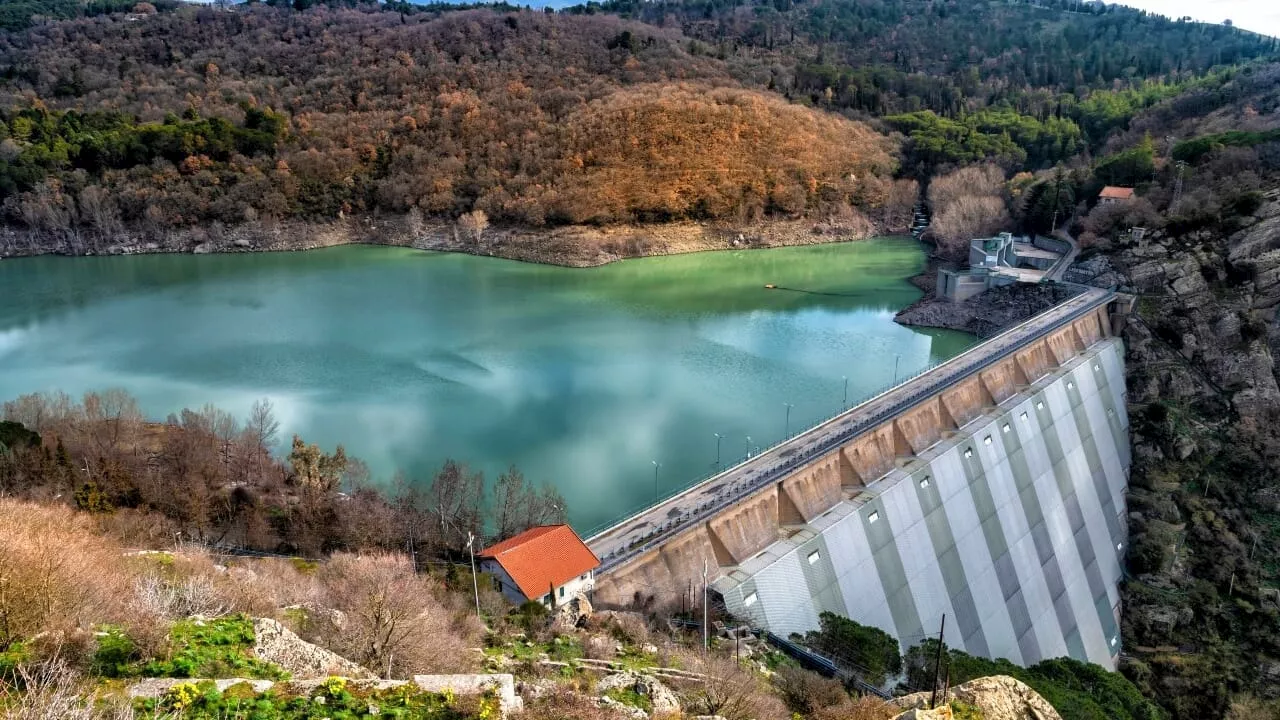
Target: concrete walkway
x: 1056, y: 272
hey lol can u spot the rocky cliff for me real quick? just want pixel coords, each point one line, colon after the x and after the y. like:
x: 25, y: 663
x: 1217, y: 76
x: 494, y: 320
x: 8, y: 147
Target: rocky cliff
x: 1200, y: 610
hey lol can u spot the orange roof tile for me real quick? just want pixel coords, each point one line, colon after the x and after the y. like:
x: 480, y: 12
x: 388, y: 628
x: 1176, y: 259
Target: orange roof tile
x: 542, y: 557
x: 1117, y: 193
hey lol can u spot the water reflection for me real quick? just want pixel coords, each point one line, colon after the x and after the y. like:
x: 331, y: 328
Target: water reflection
x: 580, y: 377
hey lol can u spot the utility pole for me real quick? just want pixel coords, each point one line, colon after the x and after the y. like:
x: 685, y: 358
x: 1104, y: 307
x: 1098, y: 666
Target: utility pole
x: 937, y: 667
x: 1177, y: 187
x: 706, y: 636
x: 475, y: 584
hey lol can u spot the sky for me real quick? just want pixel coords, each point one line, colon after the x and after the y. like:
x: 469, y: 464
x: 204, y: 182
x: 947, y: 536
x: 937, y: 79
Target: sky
x: 1258, y: 15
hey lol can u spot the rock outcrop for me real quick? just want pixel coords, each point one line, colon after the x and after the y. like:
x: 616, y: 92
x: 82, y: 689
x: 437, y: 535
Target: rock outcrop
x: 988, y: 313
x: 662, y: 699
x: 277, y: 644
x: 999, y: 697
x: 502, y: 686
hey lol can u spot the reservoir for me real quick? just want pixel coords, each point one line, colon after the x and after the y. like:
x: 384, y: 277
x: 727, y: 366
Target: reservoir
x: 610, y: 383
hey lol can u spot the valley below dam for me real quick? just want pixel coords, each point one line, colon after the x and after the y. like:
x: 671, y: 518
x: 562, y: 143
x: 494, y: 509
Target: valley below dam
x: 609, y: 383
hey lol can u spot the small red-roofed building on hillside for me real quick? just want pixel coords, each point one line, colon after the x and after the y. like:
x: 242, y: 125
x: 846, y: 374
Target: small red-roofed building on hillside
x: 549, y: 564
x: 1111, y: 194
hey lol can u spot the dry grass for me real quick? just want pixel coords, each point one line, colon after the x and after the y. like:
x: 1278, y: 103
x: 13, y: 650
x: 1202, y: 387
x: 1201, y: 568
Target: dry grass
x: 53, y: 690
x: 731, y: 690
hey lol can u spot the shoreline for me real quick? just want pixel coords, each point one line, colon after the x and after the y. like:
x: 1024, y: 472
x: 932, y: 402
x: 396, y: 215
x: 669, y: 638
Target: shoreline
x: 575, y: 246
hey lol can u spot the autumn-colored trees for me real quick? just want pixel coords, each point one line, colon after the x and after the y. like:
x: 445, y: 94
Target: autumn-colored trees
x: 473, y: 117
x: 968, y: 203
x: 204, y: 476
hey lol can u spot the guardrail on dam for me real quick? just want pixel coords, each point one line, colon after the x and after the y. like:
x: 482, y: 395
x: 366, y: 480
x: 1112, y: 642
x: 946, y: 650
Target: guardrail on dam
x: 990, y: 488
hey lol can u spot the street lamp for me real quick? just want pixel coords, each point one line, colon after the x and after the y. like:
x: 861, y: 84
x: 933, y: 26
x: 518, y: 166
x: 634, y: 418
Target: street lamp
x: 656, y: 465
x: 719, y: 437
x: 748, y: 453
x: 787, y: 433
x: 845, y: 403
x: 896, y: 358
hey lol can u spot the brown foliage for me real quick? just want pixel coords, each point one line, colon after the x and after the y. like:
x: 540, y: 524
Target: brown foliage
x: 1105, y: 220
x: 524, y: 117
x: 806, y: 692
x: 58, y: 575
x: 731, y: 691
x: 392, y: 621
x: 203, y: 477
x: 863, y: 708
x: 563, y: 703
x: 967, y: 204
x: 664, y: 152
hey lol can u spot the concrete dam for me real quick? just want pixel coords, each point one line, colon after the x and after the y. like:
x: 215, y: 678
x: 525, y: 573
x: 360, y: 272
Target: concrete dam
x: 990, y: 489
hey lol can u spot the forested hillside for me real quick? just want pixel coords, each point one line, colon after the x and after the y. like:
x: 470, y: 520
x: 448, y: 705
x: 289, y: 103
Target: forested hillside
x: 190, y: 117
x: 201, y: 116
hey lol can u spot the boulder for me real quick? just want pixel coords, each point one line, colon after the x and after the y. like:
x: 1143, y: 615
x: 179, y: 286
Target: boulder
x: 663, y: 700
x: 1000, y: 697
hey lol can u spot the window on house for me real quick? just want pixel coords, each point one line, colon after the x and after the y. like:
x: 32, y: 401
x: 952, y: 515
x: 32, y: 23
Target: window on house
x: 561, y: 591
x: 546, y: 599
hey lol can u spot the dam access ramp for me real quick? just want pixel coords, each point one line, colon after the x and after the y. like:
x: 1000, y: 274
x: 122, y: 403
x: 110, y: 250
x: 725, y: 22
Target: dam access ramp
x: 891, y: 514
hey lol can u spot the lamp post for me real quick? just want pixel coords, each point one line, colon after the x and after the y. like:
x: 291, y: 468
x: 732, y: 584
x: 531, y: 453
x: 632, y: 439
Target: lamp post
x: 787, y: 432
x: 719, y: 437
x: 747, y: 454
x: 896, y: 358
x: 656, y: 465
x: 845, y: 403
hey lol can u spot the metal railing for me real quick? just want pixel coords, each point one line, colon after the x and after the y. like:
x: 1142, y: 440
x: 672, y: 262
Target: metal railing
x: 973, y: 360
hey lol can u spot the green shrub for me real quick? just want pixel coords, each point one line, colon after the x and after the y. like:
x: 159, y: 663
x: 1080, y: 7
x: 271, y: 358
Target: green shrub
x: 12, y: 657
x: 217, y: 648
x: 115, y: 653
x: 334, y: 699
x: 629, y: 696
x: 871, y: 649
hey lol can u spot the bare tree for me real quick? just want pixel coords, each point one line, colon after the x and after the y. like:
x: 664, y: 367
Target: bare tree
x: 473, y: 225
x: 394, y: 623
x: 454, y: 498
x: 519, y: 506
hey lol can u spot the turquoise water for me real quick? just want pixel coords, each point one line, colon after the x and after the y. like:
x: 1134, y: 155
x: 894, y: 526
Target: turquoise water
x: 581, y: 378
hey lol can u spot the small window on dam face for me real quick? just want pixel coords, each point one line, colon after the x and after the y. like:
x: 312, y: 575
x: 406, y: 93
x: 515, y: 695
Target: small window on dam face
x: 968, y: 452
x: 749, y: 600
x: 986, y: 440
x: 1070, y: 385
x: 1096, y: 367
x: 1006, y: 425
x: 924, y: 481
x: 1023, y: 417
x: 814, y: 557
x: 1040, y: 405
x: 873, y: 517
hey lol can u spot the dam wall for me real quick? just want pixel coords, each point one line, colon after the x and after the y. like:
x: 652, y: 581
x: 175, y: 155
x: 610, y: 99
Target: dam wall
x: 1013, y: 526
x: 991, y: 489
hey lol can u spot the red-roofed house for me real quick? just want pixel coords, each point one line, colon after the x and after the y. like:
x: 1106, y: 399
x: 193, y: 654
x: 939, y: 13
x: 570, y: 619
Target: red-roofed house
x: 1111, y: 194
x: 549, y: 564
